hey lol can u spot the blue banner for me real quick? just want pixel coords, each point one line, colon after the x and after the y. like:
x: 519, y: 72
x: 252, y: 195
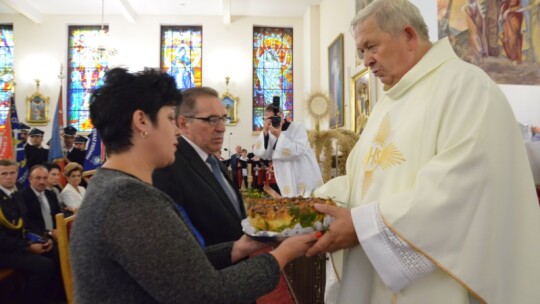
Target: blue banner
x: 93, y: 158
x: 55, y: 148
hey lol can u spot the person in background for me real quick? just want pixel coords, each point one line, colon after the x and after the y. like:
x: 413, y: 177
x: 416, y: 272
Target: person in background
x: 270, y: 179
x: 35, y: 261
x: 42, y: 204
x: 243, y: 169
x: 34, y: 151
x: 80, y: 142
x: 124, y: 223
x: 295, y: 166
x: 72, y: 194
x: 53, y: 180
x: 218, y: 156
x: 214, y: 206
x: 438, y: 210
x: 72, y: 153
x: 233, y: 162
x: 258, y: 174
x: 24, y: 132
x: 535, y: 132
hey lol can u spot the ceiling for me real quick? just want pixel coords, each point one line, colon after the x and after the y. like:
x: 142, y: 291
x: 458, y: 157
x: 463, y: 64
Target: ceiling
x: 37, y: 10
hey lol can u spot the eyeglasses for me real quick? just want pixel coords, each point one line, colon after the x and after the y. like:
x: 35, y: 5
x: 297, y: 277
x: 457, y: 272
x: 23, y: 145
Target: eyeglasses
x: 212, y: 120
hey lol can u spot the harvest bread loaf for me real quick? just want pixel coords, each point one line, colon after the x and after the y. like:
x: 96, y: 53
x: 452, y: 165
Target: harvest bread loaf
x: 269, y: 214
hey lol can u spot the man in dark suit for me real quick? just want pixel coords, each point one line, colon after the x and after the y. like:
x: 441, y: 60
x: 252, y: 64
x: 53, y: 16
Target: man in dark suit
x: 233, y: 162
x: 42, y: 204
x: 34, y: 151
x: 37, y: 262
x: 72, y: 153
x: 215, y: 208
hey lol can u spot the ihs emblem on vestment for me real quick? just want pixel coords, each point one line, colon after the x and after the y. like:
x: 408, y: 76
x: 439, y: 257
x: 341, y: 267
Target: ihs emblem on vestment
x: 381, y: 154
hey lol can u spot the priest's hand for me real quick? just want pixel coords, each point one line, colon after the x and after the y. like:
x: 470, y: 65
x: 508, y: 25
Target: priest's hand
x: 340, y: 234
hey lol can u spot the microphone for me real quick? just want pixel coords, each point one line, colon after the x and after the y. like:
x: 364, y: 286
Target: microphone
x: 230, y: 135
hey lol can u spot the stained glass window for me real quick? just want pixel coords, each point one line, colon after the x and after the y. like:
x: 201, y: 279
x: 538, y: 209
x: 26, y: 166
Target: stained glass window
x: 272, y: 71
x: 181, y: 54
x: 86, y: 68
x: 6, y: 70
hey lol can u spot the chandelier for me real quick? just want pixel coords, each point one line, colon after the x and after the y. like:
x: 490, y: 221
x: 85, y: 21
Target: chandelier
x: 102, y: 41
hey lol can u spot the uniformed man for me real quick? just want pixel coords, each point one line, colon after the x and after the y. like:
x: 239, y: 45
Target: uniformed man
x: 35, y: 153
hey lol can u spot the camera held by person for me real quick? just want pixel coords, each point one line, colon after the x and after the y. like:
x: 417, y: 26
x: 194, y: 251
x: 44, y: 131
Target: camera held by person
x: 276, y: 119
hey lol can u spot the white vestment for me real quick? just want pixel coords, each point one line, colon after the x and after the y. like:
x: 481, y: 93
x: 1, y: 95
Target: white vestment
x: 295, y: 166
x: 442, y: 158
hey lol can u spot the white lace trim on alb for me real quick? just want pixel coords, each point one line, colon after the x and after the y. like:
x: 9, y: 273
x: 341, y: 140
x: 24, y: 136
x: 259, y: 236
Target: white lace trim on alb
x: 395, y: 261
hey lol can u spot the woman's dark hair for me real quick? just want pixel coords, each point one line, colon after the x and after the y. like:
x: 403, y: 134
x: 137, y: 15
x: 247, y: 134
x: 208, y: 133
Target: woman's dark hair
x: 112, y: 105
x: 51, y: 166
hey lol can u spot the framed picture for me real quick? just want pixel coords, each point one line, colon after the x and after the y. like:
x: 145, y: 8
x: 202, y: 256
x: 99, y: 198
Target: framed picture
x: 231, y: 105
x: 336, y: 79
x: 37, y: 109
x: 361, y: 101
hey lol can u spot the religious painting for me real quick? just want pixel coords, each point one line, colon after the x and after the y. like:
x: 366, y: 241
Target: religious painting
x: 360, y: 4
x: 37, y: 109
x: 361, y: 101
x: 501, y: 37
x: 231, y: 106
x: 335, y: 78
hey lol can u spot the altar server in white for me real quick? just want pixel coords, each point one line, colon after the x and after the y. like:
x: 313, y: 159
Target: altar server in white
x: 286, y: 144
x: 441, y: 210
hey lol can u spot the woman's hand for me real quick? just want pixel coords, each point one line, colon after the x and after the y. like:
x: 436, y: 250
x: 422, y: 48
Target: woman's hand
x: 246, y: 246
x: 294, y: 247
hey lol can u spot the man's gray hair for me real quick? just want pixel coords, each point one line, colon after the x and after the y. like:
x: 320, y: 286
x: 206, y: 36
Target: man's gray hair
x: 188, y: 107
x: 392, y: 16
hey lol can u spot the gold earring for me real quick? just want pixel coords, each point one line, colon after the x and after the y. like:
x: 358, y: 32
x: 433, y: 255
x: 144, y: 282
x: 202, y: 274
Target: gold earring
x: 144, y: 134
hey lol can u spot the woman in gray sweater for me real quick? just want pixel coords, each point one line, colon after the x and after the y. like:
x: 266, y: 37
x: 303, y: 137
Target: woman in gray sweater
x: 130, y: 243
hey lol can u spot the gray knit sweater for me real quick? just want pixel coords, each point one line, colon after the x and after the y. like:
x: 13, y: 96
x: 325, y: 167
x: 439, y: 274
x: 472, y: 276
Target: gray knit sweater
x: 130, y: 245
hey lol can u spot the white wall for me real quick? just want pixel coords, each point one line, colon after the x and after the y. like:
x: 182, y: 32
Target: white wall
x: 335, y: 18
x: 227, y: 51
x: 40, y: 49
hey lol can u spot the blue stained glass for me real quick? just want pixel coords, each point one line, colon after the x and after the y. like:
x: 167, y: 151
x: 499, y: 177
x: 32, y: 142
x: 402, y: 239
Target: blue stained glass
x: 181, y: 54
x: 272, y: 71
x: 7, y: 48
x: 86, y: 68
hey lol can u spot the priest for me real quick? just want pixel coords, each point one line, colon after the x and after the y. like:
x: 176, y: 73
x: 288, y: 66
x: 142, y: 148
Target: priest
x: 442, y: 206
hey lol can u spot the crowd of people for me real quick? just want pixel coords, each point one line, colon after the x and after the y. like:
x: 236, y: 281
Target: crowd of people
x: 245, y: 167
x: 28, y: 208
x: 434, y: 209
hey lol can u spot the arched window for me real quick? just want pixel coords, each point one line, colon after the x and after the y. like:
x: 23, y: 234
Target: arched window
x: 181, y: 54
x: 86, y: 67
x: 272, y: 71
